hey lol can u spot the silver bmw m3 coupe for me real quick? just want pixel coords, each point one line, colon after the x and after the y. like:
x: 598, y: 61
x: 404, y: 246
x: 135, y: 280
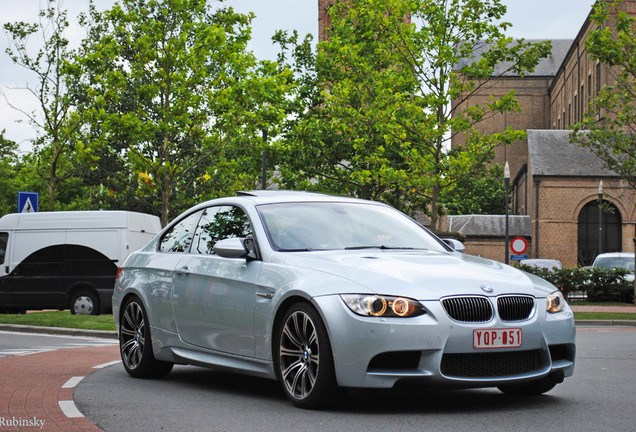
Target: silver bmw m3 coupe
x: 321, y: 292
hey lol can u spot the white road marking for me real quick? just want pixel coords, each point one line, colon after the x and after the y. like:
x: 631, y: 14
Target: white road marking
x: 69, y: 409
x: 103, y: 365
x: 72, y: 382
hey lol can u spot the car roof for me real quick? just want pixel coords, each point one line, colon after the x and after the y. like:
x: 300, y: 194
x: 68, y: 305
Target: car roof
x: 288, y: 196
x: 616, y: 255
x: 260, y: 197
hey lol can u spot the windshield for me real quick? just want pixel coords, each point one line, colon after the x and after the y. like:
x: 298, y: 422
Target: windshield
x: 614, y: 262
x: 329, y: 225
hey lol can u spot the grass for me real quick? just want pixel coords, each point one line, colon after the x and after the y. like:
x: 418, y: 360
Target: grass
x: 60, y: 319
x: 606, y: 316
x: 105, y: 322
x: 586, y: 303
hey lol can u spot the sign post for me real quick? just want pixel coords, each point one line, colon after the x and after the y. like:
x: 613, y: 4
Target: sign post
x: 27, y: 202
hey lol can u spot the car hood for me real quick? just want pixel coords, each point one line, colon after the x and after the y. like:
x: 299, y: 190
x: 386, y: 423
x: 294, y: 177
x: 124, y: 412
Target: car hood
x: 422, y: 275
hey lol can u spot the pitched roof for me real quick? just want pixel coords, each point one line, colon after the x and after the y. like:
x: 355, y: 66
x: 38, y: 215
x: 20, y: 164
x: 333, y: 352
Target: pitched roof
x: 552, y: 154
x: 548, y: 66
x: 490, y: 225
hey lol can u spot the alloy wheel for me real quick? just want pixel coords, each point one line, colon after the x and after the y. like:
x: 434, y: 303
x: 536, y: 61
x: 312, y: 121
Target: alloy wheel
x: 132, y: 336
x: 299, y: 355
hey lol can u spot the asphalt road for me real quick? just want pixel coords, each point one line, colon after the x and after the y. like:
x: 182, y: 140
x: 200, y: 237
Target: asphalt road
x: 19, y: 343
x: 599, y: 397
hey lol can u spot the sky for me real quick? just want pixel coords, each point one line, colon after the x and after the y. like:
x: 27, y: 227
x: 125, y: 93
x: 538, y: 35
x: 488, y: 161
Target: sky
x: 536, y: 19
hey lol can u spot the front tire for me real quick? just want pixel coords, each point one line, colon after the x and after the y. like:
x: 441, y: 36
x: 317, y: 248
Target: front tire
x: 304, y: 362
x: 135, y: 344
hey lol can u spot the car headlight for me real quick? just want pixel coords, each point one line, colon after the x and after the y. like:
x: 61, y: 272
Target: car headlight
x: 556, y: 302
x: 383, y: 306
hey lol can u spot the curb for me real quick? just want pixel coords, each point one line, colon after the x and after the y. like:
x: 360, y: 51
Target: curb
x: 106, y: 334
x: 623, y: 323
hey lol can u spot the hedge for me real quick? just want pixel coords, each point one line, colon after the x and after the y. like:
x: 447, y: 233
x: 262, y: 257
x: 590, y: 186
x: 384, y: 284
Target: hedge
x: 589, y: 283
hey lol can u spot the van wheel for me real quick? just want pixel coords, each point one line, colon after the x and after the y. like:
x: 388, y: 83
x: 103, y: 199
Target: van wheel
x: 84, y: 303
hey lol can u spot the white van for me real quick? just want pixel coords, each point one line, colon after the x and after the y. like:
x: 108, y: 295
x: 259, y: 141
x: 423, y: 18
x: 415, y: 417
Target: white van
x: 60, y: 260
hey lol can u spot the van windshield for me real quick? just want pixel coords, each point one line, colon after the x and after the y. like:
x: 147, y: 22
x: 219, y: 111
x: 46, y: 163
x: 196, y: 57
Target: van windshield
x: 4, y: 239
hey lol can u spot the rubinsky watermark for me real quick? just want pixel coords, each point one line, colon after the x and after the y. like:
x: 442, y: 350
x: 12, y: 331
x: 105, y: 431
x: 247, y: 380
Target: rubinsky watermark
x: 21, y: 422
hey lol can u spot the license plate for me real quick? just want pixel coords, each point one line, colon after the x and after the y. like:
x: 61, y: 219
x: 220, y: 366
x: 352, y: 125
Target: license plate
x: 496, y: 338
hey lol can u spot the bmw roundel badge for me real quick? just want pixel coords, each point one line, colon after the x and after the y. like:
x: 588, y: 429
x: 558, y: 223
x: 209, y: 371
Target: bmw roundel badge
x: 486, y: 288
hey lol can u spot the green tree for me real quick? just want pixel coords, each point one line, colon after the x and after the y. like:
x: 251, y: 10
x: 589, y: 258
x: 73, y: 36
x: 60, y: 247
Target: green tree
x: 8, y: 167
x: 613, y: 137
x: 56, y: 122
x: 177, y: 101
x: 391, y: 93
x: 481, y: 192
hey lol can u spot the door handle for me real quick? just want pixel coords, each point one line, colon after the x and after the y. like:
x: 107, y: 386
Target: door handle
x: 183, y: 271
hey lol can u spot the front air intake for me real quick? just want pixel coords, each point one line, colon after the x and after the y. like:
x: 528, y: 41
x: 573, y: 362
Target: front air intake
x: 515, y: 308
x: 468, y: 309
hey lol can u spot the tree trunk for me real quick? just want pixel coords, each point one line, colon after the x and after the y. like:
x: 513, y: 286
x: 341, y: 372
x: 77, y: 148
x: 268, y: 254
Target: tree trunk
x: 165, y: 201
x: 434, y: 199
x: 52, y: 186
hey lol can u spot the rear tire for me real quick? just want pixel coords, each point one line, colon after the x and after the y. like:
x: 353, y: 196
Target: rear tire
x: 304, y: 361
x: 135, y: 343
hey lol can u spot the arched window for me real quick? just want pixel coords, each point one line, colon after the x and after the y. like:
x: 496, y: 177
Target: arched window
x: 589, y: 231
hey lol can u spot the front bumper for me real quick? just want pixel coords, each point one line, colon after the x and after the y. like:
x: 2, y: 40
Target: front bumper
x: 434, y: 350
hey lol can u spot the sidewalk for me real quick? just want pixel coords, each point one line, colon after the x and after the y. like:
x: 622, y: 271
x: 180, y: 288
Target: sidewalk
x: 37, y: 396
x: 620, y: 309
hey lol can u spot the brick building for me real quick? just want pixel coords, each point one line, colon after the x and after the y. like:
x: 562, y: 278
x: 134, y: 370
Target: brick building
x: 555, y: 183
x: 324, y: 21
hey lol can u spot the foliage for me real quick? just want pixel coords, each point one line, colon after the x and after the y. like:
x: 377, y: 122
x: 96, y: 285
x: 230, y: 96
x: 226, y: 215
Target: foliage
x: 600, y: 284
x: 177, y: 102
x: 389, y: 99
x: 57, y: 122
x: 480, y: 192
x: 8, y: 181
x: 613, y: 137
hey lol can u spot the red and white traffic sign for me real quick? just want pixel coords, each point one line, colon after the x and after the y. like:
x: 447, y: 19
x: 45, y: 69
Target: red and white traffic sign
x: 519, y: 245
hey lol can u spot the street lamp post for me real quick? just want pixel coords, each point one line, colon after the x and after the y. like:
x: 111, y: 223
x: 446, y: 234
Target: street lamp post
x: 507, y: 184
x: 600, y: 217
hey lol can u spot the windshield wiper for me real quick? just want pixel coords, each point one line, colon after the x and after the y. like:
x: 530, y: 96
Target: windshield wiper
x: 298, y: 250
x: 383, y: 247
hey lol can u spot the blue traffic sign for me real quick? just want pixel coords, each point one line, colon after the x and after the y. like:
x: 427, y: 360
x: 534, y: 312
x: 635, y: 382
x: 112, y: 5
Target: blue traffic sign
x: 27, y: 202
x: 518, y: 257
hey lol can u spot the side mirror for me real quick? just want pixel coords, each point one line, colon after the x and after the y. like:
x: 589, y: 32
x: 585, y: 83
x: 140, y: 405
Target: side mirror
x: 455, y: 245
x: 231, y: 248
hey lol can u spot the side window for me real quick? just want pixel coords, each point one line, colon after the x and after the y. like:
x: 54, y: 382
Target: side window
x: 176, y: 239
x: 4, y: 239
x: 218, y: 223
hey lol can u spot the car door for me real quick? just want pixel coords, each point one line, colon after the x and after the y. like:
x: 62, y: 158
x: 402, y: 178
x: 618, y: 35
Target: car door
x: 214, y: 297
